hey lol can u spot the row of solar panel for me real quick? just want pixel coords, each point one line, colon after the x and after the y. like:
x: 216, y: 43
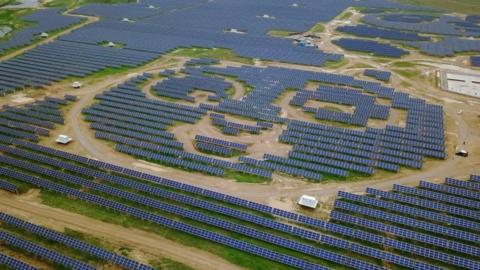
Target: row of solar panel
x: 374, y: 47
x: 224, y: 197
x: 378, y: 74
x: 227, y: 144
x: 73, y: 243
x: 160, y: 220
x: 265, y: 237
x: 213, y: 148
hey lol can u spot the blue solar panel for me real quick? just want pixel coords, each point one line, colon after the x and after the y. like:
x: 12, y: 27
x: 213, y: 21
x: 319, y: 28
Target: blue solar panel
x: 376, y: 48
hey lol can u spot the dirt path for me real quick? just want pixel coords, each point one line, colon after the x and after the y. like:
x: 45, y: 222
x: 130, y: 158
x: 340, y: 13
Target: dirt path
x: 28, y: 208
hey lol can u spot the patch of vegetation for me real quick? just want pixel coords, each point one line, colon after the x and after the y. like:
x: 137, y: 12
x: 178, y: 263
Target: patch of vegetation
x: 13, y: 18
x: 317, y: 28
x: 336, y: 64
x: 403, y: 64
x: 406, y: 84
x: 406, y: 73
x: 7, y: 2
x: 361, y: 65
x: 461, y: 6
x: 70, y: 4
x: 346, y: 15
x: 167, y: 264
x: 332, y: 108
x: 230, y: 91
x: 245, y: 178
x: 212, y: 53
x: 280, y: 33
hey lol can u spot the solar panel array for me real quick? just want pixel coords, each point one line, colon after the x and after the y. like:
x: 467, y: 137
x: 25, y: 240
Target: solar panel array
x: 475, y: 61
x: 13, y: 263
x: 67, y: 241
x: 58, y: 60
x: 39, y: 165
x: 153, y: 33
x: 180, y: 88
x: 365, y: 105
x: 363, y: 30
x: 455, y: 32
x: 32, y: 120
x: 8, y: 186
x: 227, y: 144
x: 137, y: 125
x: 268, y: 85
x: 43, y: 21
x: 37, y: 250
x: 378, y: 74
x: 435, y: 221
x: 370, y: 46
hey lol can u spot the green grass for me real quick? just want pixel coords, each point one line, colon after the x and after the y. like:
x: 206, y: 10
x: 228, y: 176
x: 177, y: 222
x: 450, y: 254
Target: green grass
x: 336, y: 64
x: 7, y: 2
x: 361, y: 65
x: 461, y: 6
x: 403, y: 64
x: 346, y: 15
x: 245, y: 178
x: 167, y: 264
x: 280, y: 33
x: 406, y: 84
x: 69, y: 4
x: 317, y: 28
x: 212, y: 53
x: 230, y: 91
x: 406, y: 73
x: 13, y: 18
x: 332, y: 108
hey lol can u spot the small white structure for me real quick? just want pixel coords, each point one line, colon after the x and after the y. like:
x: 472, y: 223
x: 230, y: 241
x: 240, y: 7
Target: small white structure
x: 308, y: 201
x: 151, y: 6
x: 294, y: 5
x: 76, y: 85
x: 63, y: 139
x: 44, y: 35
x: 462, y: 153
x: 111, y: 44
x: 235, y: 31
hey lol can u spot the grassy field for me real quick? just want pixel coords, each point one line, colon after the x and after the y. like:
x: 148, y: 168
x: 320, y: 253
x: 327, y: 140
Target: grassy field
x: 335, y: 64
x: 346, y: 15
x: 69, y: 4
x: 461, y: 6
x: 6, y: 2
x: 317, y: 28
x: 280, y: 33
x: 12, y: 17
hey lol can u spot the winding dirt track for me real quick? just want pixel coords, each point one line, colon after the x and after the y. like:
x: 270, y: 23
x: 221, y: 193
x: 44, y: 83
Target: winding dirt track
x: 147, y: 243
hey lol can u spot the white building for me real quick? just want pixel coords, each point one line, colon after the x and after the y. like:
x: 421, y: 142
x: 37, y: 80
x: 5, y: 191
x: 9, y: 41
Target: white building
x: 63, y: 139
x: 308, y: 201
x: 76, y: 85
x: 460, y: 82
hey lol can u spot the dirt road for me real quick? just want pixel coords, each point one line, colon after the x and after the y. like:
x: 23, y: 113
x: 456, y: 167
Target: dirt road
x: 27, y: 207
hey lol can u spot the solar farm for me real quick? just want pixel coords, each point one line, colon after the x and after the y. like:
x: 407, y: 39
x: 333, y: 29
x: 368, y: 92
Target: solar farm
x: 254, y: 135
